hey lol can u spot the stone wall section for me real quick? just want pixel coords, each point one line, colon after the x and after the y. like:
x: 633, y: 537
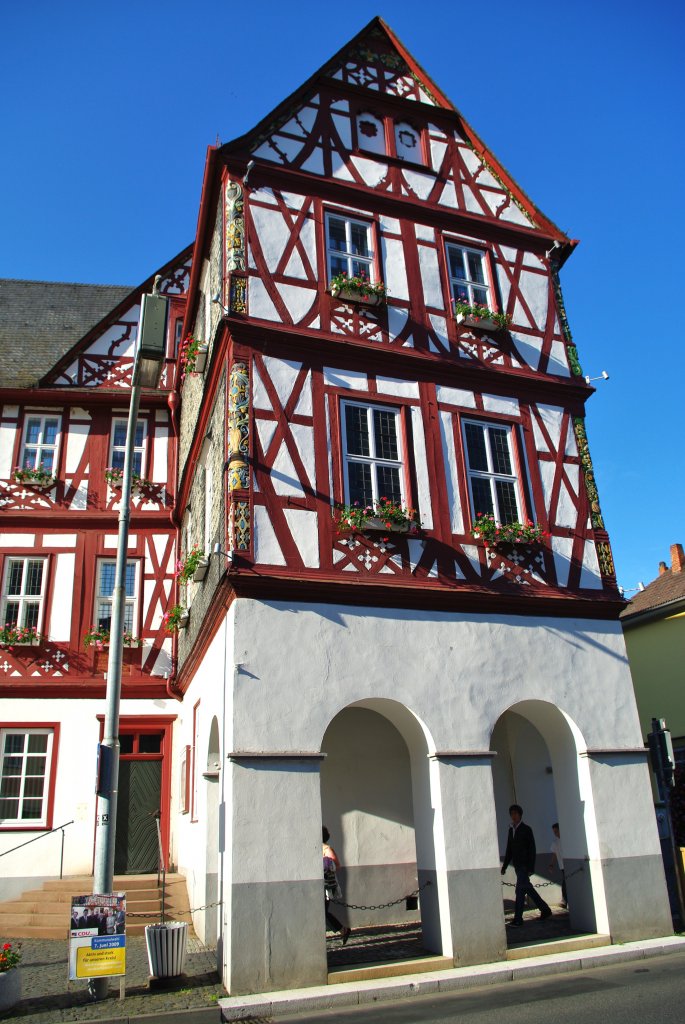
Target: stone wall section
x: 198, y: 596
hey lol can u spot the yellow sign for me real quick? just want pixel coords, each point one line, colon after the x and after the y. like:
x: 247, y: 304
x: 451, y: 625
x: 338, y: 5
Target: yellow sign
x: 100, y: 963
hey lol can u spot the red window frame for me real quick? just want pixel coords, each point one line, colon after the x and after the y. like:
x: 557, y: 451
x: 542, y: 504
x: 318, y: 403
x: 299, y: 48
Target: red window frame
x: 51, y: 775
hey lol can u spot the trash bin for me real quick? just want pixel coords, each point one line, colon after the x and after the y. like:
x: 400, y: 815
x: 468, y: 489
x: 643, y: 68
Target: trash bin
x: 166, y: 948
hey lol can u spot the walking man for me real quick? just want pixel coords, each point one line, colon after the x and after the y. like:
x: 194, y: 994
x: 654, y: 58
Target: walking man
x: 521, y: 853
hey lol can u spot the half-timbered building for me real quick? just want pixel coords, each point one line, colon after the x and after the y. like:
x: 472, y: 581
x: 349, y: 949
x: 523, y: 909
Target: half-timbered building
x: 373, y: 321
x: 67, y: 355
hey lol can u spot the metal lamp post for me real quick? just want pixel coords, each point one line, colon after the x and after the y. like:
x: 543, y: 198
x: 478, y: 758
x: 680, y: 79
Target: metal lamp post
x: 146, y: 370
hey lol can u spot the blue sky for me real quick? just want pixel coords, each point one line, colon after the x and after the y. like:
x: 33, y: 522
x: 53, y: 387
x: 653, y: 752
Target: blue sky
x: 109, y: 107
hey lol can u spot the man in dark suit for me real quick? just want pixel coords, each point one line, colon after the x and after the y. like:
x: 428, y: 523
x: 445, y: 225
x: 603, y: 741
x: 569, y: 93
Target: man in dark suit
x: 521, y: 853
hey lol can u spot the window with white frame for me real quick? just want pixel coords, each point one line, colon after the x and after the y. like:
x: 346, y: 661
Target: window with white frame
x: 493, y: 483
x: 372, y: 453
x: 468, y: 275
x: 25, y: 762
x: 349, y: 245
x: 23, y: 592
x: 104, y: 591
x: 39, y: 447
x: 118, y: 447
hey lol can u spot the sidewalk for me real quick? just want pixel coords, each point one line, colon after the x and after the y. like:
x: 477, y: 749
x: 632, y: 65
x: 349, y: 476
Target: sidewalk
x: 48, y: 998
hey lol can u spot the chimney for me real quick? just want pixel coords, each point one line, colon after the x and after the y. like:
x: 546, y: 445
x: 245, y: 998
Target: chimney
x: 677, y: 558
x: 662, y: 568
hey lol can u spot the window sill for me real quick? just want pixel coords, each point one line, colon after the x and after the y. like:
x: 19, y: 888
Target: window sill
x: 201, y: 571
x: 37, y: 485
x: 7, y: 645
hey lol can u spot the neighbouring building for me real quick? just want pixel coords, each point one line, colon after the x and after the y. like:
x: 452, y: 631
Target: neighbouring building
x: 373, y: 320
x: 654, y: 629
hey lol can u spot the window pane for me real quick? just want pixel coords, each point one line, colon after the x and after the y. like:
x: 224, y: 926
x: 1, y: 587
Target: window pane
x: 480, y: 296
x: 50, y: 433
x: 15, y: 577
x: 359, y: 478
x: 360, y: 269
x: 475, y: 264
x: 33, y: 431
x: 47, y: 458
x: 360, y: 240
x: 475, y: 447
x: 128, y: 618
x: 118, y: 459
x: 107, y: 573
x: 120, y: 434
x: 140, y: 428
x: 456, y: 257
x: 388, y: 480
x: 336, y: 234
x: 482, y: 496
x: 31, y: 614
x: 11, y: 613
x: 12, y: 765
x: 385, y: 434
x: 357, y: 430
x: 38, y: 743
x: 32, y: 810
x: 14, y: 743
x: 9, y: 809
x: 130, y: 579
x: 506, y: 499
x: 28, y: 460
x: 103, y: 615
x: 126, y: 744
x: 34, y: 578
x: 339, y: 265
x: 150, y: 744
x: 499, y: 449
x: 10, y: 787
x: 34, y: 785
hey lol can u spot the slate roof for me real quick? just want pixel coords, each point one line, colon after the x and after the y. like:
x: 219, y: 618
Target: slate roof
x: 41, y: 320
x: 667, y: 588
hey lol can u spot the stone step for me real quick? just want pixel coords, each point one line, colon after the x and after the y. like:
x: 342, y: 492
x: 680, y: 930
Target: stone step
x: 543, y: 947
x: 46, y: 912
x: 389, y: 969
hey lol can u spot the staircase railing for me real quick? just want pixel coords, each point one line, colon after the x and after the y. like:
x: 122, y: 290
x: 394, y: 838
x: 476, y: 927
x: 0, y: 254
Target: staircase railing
x: 161, y: 867
x: 35, y: 839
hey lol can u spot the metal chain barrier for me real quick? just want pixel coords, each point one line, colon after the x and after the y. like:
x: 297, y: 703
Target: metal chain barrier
x: 543, y: 885
x: 381, y: 906
x: 157, y: 913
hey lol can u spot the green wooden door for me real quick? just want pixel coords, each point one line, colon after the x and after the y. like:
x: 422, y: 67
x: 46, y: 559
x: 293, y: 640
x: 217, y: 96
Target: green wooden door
x: 140, y: 786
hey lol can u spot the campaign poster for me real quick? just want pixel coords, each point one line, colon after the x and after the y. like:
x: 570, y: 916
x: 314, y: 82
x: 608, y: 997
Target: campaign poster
x: 97, y: 936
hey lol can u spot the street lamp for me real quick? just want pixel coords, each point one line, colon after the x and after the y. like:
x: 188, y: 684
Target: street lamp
x: 147, y: 365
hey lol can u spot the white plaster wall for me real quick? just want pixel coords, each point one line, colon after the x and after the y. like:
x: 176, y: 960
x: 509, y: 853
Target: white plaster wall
x: 74, y: 789
x: 189, y: 837
x: 483, y: 664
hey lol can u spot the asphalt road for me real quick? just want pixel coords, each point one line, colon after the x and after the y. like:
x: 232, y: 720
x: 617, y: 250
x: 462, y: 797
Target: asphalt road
x: 642, y: 992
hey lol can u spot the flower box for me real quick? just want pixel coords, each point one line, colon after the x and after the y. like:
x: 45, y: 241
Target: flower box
x: 184, y: 619
x: 200, y: 360
x: 374, y: 523
x: 352, y: 295
x: 483, y: 323
x: 19, y: 636
x: 37, y: 478
x: 201, y: 570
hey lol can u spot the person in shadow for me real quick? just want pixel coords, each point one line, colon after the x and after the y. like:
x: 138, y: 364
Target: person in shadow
x: 332, y: 889
x: 521, y: 853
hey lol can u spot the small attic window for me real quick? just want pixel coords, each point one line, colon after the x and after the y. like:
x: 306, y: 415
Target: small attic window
x: 371, y: 134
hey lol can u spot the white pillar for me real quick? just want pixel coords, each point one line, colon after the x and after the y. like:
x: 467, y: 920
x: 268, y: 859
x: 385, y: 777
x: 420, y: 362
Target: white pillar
x: 468, y: 878
x: 274, y: 923
x: 626, y: 851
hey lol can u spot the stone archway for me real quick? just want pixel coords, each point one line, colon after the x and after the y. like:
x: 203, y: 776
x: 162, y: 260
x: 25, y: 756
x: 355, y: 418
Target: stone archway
x: 376, y: 802
x: 539, y: 765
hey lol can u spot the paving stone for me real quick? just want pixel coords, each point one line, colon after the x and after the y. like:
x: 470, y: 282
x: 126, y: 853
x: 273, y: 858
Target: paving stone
x: 49, y: 998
